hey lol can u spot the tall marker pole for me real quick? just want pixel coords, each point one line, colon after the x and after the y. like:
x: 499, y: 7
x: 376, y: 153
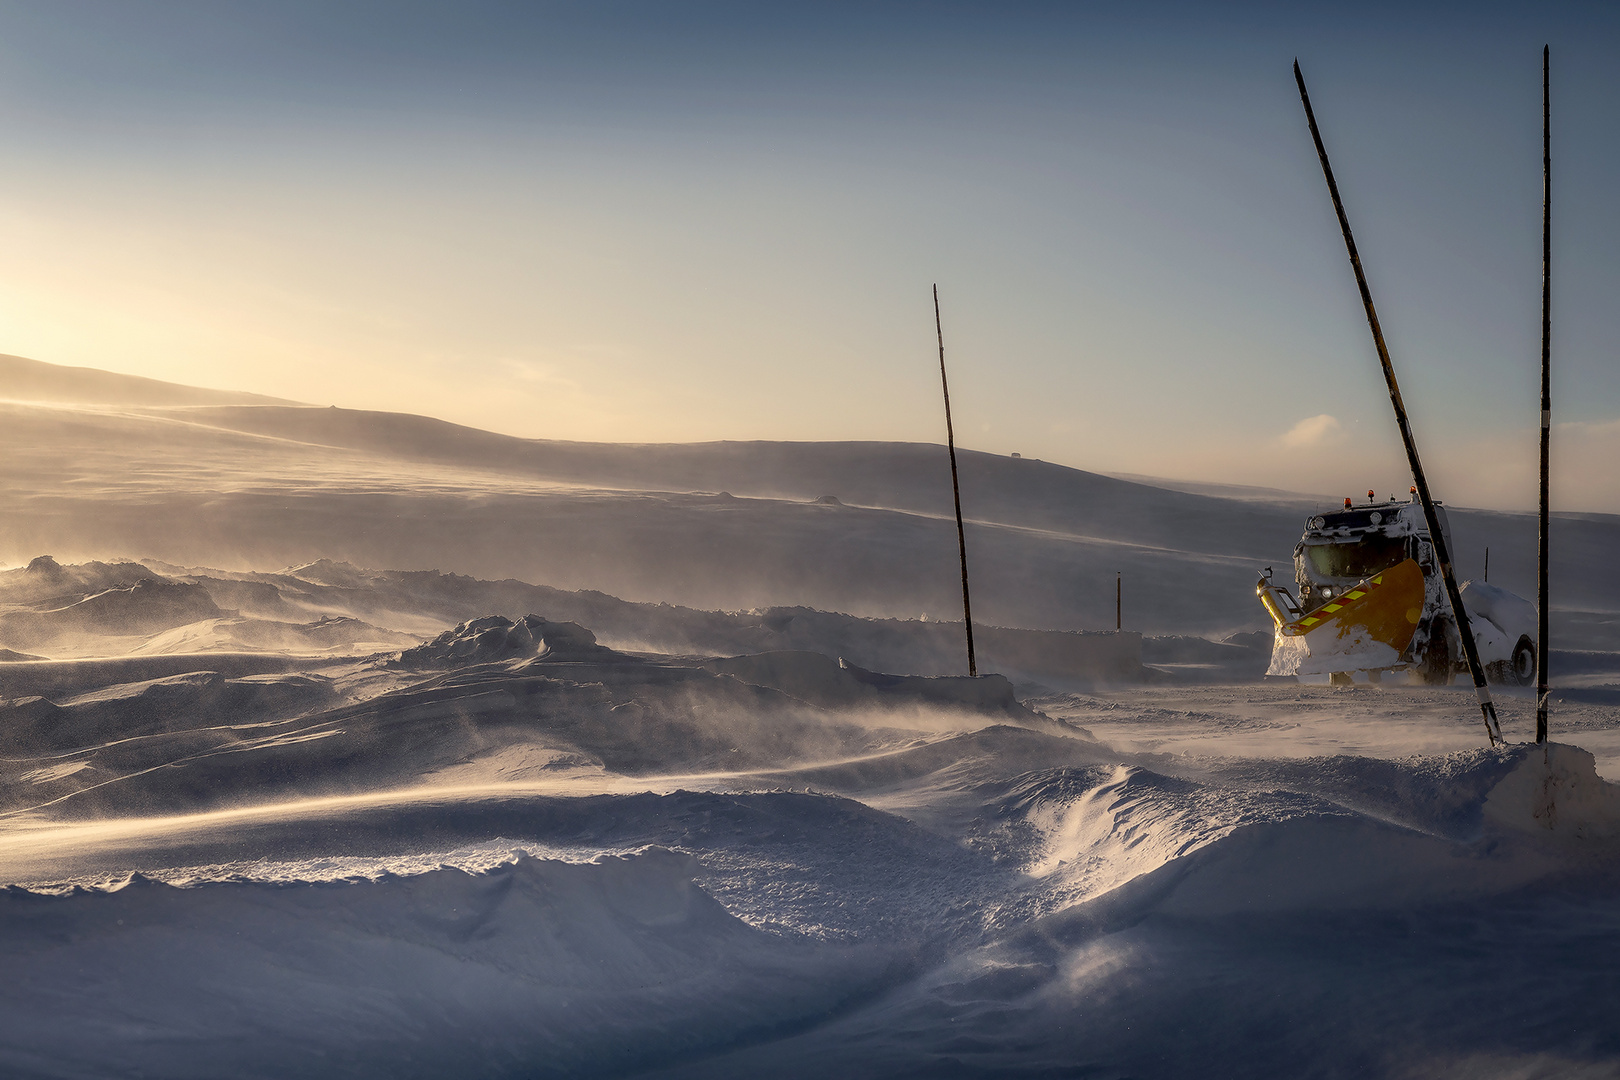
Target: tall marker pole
x: 956, y: 489
x: 1437, y: 536
x: 1546, y: 392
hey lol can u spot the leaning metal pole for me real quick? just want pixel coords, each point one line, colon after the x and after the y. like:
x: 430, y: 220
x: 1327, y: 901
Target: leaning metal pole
x: 1493, y: 730
x: 956, y: 489
x: 1546, y: 394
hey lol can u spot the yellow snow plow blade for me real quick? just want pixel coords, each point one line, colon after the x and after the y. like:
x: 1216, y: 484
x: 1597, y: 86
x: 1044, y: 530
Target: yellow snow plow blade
x: 1366, y: 628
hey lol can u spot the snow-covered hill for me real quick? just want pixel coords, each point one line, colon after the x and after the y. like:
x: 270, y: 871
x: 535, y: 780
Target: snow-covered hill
x: 861, y: 528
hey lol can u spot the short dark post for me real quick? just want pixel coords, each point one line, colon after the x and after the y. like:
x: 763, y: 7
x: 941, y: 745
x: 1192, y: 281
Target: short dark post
x: 1119, y: 592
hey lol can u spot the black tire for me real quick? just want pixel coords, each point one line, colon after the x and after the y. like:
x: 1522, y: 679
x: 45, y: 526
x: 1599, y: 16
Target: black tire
x: 1437, y: 657
x: 1521, y: 667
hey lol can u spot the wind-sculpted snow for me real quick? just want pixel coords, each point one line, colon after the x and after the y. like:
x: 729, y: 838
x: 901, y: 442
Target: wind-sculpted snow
x: 1213, y: 932
x: 806, y: 934
x: 536, y: 968
x: 340, y: 610
x: 330, y: 820
x: 489, y: 700
x: 126, y: 711
x: 492, y: 638
x: 515, y: 851
x: 147, y: 606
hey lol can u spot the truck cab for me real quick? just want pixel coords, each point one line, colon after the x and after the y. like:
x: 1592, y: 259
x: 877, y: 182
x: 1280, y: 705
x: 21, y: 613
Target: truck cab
x: 1342, y: 548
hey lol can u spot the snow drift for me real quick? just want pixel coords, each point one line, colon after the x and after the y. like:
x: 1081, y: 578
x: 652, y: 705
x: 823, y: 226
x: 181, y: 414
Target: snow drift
x: 542, y: 968
x: 806, y: 934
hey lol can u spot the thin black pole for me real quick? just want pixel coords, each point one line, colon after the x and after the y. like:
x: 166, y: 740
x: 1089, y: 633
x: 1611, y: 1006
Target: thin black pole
x: 1437, y: 536
x: 1487, y: 564
x: 1119, y: 601
x: 956, y: 489
x: 1546, y: 391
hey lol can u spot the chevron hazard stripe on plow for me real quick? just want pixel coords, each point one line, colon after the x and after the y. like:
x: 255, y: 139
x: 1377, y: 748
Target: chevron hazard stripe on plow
x: 1366, y: 628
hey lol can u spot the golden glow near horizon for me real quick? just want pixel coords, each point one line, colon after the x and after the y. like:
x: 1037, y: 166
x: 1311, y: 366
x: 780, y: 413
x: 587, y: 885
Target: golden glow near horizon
x: 1137, y: 268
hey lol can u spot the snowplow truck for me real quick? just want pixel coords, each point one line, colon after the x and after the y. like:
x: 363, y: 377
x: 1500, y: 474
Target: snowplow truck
x: 1371, y: 600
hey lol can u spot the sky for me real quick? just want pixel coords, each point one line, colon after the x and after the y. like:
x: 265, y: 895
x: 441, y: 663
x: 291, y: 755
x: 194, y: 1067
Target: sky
x: 658, y: 222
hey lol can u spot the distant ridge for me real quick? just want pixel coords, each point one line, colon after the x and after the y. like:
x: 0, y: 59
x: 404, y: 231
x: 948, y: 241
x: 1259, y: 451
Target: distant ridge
x: 862, y: 528
x: 22, y: 379
x: 1224, y: 491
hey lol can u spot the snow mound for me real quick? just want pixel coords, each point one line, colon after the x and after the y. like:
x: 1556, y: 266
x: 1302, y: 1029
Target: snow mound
x: 339, y: 574
x: 340, y: 635
x: 1333, y: 862
x: 1476, y: 824
x: 45, y: 580
x: 149, y: 605
x: 172, y: 703
x: 1556, y: 790
x: 1105, y: 826
x: 538, y: 967
x: 495, y: 638
x: 808, y: 676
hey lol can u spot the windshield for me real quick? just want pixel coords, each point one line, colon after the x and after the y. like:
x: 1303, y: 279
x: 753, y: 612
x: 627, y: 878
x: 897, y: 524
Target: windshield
x: 1358, y: 559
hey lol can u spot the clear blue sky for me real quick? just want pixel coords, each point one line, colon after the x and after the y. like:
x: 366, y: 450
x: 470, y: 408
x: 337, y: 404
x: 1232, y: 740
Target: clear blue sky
x: 651, y: 222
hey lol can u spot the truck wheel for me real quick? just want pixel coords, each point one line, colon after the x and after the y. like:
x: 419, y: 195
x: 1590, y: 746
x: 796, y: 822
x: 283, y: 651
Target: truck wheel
x: 1522, y: 665
x: 1437, y: 658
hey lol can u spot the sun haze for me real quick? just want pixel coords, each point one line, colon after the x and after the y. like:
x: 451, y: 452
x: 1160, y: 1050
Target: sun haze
x: 722, y: 222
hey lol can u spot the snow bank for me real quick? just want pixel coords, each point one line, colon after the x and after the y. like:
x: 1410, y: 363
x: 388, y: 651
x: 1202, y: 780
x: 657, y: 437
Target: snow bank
x: 148, y: 606
x: 995, y: 901
x: 808, y: 676
x: 338, y: 636
x: 1556, y: 790
x: 541, y: 968
x: 496, y: 638
x: 1376, y: 836
x: 46, y: 583
x: 173, y: 703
